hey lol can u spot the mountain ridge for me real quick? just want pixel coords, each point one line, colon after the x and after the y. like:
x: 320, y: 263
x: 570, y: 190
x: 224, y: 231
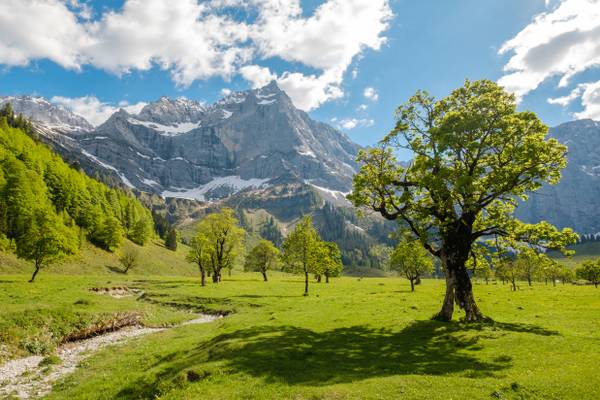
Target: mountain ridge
x: 178, y: 146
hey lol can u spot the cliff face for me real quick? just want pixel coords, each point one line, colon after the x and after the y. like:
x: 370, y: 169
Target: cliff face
x: 575, y: 201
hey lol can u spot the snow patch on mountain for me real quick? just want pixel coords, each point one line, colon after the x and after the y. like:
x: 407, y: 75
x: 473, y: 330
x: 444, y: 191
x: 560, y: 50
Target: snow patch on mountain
x: 121, y: 175
x: 233, y: 184
x: 167, y: 130
x: 150, y: 182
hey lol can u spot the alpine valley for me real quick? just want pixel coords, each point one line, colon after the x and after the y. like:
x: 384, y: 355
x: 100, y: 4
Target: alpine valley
x: 252, y: 150
x: 256, y: 152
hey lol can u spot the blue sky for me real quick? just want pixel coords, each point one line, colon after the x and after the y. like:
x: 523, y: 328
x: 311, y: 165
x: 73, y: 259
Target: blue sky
x: 393, y: 47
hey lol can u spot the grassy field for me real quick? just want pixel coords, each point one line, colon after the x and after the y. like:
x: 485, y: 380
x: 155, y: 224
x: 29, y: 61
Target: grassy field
x: 355, y: 338
x: 154, y: 259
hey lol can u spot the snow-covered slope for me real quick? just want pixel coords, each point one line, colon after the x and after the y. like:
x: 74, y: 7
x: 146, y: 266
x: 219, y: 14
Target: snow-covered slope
x: 183, y: 148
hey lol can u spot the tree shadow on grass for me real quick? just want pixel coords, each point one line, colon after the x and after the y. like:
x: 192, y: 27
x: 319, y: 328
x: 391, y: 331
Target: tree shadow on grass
x: 299, y: 356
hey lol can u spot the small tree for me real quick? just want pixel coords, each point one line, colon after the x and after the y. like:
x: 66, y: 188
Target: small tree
x: 301, y: 250
x: 590, y: 271
x: 381, y: 253
x: 550, y: 269
x: 530, y: 264
x: 45, y: 241
x: 331, y: 261
x: 509, y: 270
x: 263, y: 257
x: 171, y: 239
x: 225, y: 237
x: 199, y: 254
x: 129, y: 257
x: 567, y: 275
x: 411, y: 259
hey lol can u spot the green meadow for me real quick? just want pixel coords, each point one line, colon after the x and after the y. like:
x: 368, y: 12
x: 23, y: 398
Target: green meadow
x: 354, y: 338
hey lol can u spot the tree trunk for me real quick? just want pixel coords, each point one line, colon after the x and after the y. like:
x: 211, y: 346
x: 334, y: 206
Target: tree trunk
x: 464, y: 296
x: 412, y: 285
x: 216, y: 276
x: 447, y: 310
x: 553, y: 282
x: 418, y: 280
x: 514, y: 286
x: 458, y: 283
x: 264, y: 274
x: 202, y: 276
x: 318, y: 278
x: 35, y: 272
x: 326, y: 278
x: 529, y: 280
x: 305, y: 282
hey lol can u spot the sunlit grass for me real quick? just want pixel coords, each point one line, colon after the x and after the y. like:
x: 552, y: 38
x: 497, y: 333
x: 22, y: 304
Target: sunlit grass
x: 351, y: 339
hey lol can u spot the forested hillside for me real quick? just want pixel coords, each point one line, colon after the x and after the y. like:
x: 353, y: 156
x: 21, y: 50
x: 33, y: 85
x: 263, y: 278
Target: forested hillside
x: 48, y: 208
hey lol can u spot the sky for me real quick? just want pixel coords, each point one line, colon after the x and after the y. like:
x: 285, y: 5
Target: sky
x: 349, y: 63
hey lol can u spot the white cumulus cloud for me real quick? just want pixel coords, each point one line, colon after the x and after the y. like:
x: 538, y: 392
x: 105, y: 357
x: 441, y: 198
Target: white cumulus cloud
x: 589, y: 95
x: 351, y: 123
x: 561, y: 42
x: 93, y: 110
x: 371, y: 94
x: 197, y: 40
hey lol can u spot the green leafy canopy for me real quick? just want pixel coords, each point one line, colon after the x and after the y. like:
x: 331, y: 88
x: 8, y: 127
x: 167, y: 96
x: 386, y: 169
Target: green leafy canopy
x: 474, y: 157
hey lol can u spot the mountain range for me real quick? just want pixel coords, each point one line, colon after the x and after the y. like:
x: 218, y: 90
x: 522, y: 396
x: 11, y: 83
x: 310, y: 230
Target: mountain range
x: 182, y: 148
x: 255, y: 150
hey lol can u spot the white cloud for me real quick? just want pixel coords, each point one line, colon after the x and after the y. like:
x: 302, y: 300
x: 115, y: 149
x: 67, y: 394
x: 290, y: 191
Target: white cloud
x: 354, y: 73
x: 93, y: 110
x: 568, y: 99
x: 40, y: 29
x: 561, y: 42
x: 306, y: 91
x: 362, y: 107
x: 258, y: 76
x: 590, y: 100
x: 351, y: 123
x: 329, y: 39
x: 225, y: 92
x: 371, y: 94
x: 183, y: 37
x: 196, y: 40
x: 589, y: 95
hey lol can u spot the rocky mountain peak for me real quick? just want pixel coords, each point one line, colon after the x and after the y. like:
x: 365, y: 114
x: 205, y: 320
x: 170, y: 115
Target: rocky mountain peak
x: 50, y: 115
x: 168, y: 111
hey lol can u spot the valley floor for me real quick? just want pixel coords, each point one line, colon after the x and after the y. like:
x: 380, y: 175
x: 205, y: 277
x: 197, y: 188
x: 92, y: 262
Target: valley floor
x: 354, y: 338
